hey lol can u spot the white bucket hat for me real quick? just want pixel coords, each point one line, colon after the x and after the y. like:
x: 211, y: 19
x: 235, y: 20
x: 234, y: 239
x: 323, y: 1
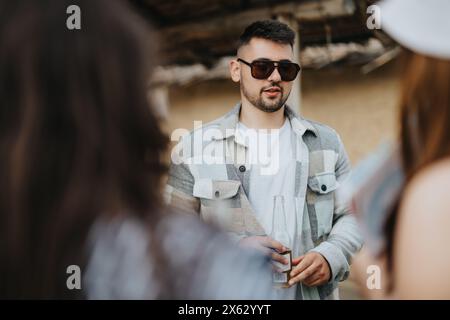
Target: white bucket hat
x: 419, y: 25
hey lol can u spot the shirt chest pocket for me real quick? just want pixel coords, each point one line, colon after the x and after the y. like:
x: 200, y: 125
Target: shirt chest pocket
x: 320, y: 202
x: 220, y: 202
x: 212, y: 190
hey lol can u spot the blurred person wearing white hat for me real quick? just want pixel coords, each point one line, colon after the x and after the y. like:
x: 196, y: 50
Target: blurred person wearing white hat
x: 416, y: 260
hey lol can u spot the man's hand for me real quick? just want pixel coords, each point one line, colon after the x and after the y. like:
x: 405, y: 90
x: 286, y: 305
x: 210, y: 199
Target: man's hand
x: 266, y: 245
x: 312, y: 269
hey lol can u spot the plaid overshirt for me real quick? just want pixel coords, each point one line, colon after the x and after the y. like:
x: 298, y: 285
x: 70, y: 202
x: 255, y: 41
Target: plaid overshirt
x: 210, y: 173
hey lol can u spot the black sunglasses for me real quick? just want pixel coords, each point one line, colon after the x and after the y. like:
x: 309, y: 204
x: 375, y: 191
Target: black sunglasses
x: 262, y: 69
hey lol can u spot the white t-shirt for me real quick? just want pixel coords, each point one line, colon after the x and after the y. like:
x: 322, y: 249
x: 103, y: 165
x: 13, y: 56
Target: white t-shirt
x: 272, y: 165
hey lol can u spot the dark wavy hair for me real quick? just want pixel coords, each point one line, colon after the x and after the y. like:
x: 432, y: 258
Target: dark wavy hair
x: 78, y: 139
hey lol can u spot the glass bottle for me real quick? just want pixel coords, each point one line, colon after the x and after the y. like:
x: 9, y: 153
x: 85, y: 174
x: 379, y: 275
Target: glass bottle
x: 280, y: 233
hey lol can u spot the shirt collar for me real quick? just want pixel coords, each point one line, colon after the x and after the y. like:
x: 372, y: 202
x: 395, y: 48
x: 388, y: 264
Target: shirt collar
x: 229, y: 122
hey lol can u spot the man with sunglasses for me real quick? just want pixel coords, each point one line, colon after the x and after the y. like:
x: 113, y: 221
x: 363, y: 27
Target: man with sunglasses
x: 268, y: 151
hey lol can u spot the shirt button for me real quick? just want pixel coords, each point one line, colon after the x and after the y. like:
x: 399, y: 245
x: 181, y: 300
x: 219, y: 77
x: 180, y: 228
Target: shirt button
x: 323, y: 187
x: 217, y: 194
x: 242, y: 168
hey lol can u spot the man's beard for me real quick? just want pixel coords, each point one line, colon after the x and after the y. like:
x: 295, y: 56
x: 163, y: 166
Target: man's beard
x: 262, y: 104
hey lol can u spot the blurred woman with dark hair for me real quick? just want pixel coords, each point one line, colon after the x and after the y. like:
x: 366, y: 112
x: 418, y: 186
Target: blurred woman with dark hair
x: 416, y: 260
x: 81, y: 167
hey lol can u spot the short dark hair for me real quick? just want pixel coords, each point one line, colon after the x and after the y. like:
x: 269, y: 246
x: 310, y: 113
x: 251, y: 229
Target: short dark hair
x: 272, y: 30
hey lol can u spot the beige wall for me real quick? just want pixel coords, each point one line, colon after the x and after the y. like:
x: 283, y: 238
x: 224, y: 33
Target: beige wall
x: 362, y: 108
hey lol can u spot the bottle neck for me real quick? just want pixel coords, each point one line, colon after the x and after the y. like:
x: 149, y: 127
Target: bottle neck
x: 279, y: 222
